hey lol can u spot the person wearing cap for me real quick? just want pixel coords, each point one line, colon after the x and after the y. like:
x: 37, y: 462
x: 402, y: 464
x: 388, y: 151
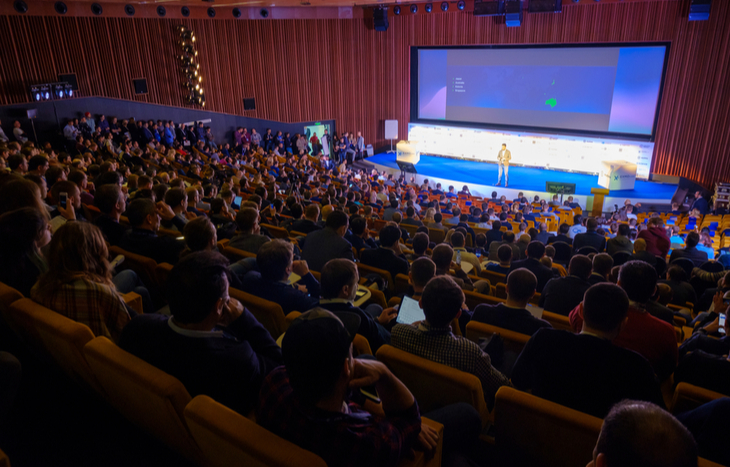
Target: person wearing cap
x: 211, y: 343
x: 442, y: 302
x: 275, y: 261
x: 314, y: 401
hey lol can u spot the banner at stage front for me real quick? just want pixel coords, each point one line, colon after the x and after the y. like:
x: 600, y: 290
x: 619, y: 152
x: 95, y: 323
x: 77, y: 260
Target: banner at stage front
x: 549, y: 151
x: 617, y: 175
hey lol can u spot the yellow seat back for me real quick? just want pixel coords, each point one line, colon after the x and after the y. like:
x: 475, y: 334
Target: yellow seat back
x: 558, y: 321
x: 57, y: 337
x: 434, y: 385
x: 227, y: 438
x: 513, y: 341
x: 147, y: 396
x: 142, y: 265
x: 269, y: 314
x: 534, y: 431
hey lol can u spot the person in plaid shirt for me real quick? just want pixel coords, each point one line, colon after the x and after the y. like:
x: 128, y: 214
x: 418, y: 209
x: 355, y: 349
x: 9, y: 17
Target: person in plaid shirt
x: 307, y: 400
x: 78, y: 283
x: 442, y: 302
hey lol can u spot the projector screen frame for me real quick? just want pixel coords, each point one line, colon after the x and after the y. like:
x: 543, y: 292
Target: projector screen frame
x: 414, y: 98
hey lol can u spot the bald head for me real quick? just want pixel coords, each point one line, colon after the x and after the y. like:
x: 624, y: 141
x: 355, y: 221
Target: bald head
x: 636, y: 433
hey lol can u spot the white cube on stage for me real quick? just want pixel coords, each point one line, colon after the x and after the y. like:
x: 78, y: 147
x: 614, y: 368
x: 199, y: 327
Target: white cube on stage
x: 407, y: 151
x: 617, y: 175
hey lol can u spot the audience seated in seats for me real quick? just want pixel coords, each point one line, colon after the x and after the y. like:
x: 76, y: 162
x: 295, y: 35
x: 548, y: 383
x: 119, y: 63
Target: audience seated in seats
x: 543, y: 236
x: 641, y: 254
x: 562, y: 294
x: 78, y: 283
x: 403, y: 232
x: 73, y: 198
x: 211, y: 343
x: 507, y: 239
x: 420, y: 245
x: 457, y: 242
x: 590, y: 238
x: 643, y: 333
x: 657, y: 241
x: 504, y: 254
x: 314, y: 402
x: 523, y: 242
x: 559, y: 268
x: 309, y: 223
x: 637, y: 433
x: 443, y: 301
x: 578, y: 227
x: 512, y: 314
x: 359, y: 235
x: 494, y: 235
x: 602, y: 264
x: 411, y: 217
x: 23, y: 232
x: 389, y: 256
x: 535, y: 251
x: 111, y: 201
x: 200, y: 235
x: 562, y: 235
x: 249, y: 239
x: 328, y: 243
x: 422, y: 271
x: 682, y: 291
x: 690, y: 251
x: 621, y: 242
x: 586, y: 371
x: 275, y: 262
x: 144, y: 217
x: 443, y: 258
x: 339, y: 285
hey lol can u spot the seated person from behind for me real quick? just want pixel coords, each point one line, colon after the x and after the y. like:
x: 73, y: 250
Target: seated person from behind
x: 359, y: 236
x: 339, y: 285
x: 562, y: 235
x: 177, y: 199
x: 590, y: 238
x: 211, y: 343
x: 457, y: 242
x: 389, y: 256
x: 585, y: 371
x: 636, y: 433
x: 513, y: 315
x: 690, y: 251
x: 309, y: 223
x: 250, y: 238
x: 562, y: 294
x: 111, y: 201
x: 602, y: 265
x: 144, y: 216
x: 78, y: 283
x: 535, y: 251
x: 643, y: 333
x: 275, y: 261
x: 420, y: 246
x: 621, y: 242
x: 442, y: 302
x: 328, y: 243
x: 504, y: 253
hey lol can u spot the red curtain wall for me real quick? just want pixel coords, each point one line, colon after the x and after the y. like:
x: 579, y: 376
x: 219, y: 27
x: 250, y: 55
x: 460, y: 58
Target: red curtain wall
x: 302, y: 70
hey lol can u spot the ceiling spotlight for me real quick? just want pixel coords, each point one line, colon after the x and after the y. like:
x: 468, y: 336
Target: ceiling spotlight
x: 461, y: 5
x: 129, y: 10
x: 428, y: 7
x: 60, y: 8
x: 20, y: 6
x: 161, y: 11
x: 96, y: 9
x: 396, y: 10
x: 414, y: 8
x: 69, y: 90
x: 185, y: 11
x: 444, y: 6
x: 211, y: 12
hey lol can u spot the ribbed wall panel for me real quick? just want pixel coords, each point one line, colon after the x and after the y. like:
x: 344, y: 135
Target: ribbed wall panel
x: 303, y: 70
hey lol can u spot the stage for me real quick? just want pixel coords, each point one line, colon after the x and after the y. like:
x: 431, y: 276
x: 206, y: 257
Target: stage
x: 481, y: 178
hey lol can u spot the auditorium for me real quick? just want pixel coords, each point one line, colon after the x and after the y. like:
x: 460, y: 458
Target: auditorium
x: 304, y: 233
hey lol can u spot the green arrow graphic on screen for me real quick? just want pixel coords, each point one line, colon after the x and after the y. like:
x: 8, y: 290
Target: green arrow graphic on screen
x: 551, y: 102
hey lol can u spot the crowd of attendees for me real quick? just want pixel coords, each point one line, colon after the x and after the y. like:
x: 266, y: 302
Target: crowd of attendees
x: 171, y: 193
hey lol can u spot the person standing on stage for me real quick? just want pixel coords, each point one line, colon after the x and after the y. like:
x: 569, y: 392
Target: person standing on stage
x: 503, y: 160
x: 325, y: 142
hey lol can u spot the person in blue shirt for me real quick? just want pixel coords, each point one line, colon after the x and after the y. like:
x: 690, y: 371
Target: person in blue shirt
x: 451, y: 193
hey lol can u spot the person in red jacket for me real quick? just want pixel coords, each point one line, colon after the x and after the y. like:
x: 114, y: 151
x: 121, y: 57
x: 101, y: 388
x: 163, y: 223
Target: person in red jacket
x: 657, y: 241
x: 651, y: 337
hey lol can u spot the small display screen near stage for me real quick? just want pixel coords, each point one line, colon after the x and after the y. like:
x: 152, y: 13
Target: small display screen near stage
x: 598, y: 89
x: 558, y: 152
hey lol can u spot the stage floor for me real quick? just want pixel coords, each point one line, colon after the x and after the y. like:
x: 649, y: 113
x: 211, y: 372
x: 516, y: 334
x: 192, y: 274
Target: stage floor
x: 525, y: 179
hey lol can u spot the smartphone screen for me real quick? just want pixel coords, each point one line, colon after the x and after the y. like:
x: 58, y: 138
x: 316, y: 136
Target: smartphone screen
x: 63, y: 199
x: 722, y: 323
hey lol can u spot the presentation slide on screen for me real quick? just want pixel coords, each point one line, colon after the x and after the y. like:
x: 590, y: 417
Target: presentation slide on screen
x: 593, y: 89
x: 559, y: 152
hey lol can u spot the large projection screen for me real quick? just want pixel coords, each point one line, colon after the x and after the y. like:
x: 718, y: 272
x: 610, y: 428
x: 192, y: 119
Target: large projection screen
x: 609, y: 90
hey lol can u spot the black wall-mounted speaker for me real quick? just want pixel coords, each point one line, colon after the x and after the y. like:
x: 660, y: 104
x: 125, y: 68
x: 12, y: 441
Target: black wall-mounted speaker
x: 140, y: 85
x: 249, y: 104
x: 489, y: 8
x: 380, y: 18
x: 69, y: 78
